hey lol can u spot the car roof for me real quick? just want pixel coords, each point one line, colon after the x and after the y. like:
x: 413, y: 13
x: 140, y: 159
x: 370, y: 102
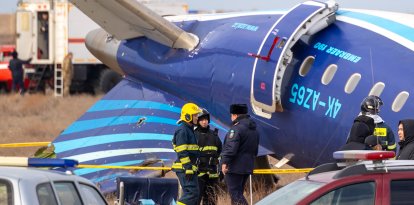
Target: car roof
x: 324, y: 177
x: 333, y: 171
x: 36, y: 174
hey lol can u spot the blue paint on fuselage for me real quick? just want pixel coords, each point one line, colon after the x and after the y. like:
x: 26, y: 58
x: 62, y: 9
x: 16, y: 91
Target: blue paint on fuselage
x: 110, y: 139
x: 219, y: 73
x: 182, y: 75
x: 265, y: 70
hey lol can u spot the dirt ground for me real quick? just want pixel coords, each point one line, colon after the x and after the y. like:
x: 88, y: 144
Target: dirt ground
x: 37, y: 118
x: 40, y: 118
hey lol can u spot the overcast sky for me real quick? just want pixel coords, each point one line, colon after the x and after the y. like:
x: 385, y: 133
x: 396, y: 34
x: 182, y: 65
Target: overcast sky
x: 406, y: 6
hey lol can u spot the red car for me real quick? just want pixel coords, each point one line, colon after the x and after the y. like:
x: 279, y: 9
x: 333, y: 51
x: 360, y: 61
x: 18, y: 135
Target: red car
x: 367, y: 177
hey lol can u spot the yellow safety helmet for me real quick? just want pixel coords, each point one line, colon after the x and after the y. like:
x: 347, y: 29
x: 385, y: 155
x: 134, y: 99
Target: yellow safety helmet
x: 188, y: 110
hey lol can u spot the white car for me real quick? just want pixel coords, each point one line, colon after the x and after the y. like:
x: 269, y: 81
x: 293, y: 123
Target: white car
x: 36, y: 186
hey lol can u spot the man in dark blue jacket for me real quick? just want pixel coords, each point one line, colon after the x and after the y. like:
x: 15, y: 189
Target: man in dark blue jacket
x: 240, y: 149
x: 186, y: 146
x: 16, y: 67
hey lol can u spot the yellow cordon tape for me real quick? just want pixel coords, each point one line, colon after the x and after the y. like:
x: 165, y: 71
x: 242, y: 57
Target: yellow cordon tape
x: 121, y: 167
x: 256, y: 171
x: 281, y: 171
x: 25, y: 144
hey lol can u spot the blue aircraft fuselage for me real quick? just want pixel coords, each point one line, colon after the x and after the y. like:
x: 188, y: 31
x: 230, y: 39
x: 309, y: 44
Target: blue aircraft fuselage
x: 302, y: 73
x: 316, y: 117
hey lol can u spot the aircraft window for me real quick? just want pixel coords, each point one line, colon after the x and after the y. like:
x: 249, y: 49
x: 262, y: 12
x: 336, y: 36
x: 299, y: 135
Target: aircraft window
x: 400, y: 101
x: 306, y: 66
x: 282, y: 42
x: 377, y: 89
x: 329, y: 74
x: 352, y: 83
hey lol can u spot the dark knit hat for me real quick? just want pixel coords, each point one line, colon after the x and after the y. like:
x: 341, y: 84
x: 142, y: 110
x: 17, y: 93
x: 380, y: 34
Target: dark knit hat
x: 372, y: 141
x: 238, y: 109
x: 353, y: 146
x: 14, y: 54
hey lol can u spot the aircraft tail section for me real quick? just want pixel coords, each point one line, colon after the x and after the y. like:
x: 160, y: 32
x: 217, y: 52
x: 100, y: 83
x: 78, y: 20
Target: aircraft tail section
x: 126, y: 19
x: 132, y: 125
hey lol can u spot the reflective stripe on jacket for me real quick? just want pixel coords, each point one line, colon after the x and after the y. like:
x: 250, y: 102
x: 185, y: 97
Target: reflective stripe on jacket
x: 185, y: 145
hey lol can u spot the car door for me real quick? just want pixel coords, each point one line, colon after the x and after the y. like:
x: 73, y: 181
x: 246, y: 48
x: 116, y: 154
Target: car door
x: 360, y: 190
x: 398, y: 188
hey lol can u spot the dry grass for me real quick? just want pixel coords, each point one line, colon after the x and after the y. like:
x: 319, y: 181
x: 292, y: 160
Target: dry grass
x: 259, y: 189
x: 38, y: 118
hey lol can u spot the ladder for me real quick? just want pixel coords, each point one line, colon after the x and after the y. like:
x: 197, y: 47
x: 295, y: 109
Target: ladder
x: 58, y: 80
x: 37, y: 79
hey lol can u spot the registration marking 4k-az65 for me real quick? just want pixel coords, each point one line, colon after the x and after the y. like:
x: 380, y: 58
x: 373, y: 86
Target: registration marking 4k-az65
x: 310, y: 99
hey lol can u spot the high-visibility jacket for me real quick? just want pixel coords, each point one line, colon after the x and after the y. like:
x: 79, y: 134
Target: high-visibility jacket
x: 185, y: 145
x: 210, y: 148
x: 386, y: 136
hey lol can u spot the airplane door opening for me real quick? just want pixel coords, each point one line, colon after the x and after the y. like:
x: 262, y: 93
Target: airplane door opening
x: 273, y: 56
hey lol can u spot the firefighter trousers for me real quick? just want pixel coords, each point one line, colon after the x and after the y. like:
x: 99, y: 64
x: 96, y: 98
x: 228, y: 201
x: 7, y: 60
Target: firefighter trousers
x: 208, y: 190
x: 190, y: 189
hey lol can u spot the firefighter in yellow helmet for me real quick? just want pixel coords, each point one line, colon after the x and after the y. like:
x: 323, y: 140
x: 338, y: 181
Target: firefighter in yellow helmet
x: 185, y: 145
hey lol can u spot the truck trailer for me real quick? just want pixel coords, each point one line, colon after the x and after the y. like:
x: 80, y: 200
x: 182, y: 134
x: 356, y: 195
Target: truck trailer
x: 47, y: 30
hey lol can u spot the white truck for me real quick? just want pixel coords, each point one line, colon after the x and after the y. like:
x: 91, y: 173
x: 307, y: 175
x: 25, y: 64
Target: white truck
x: 47, y: 30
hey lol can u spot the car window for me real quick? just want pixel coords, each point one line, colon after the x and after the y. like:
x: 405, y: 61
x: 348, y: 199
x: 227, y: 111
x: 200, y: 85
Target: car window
x: 6, y: 193
x: 45, y: 194
x: 402, y: 192
x: 91, y: 195
x: 355, y: 194
x: 67, y: 193
x: 290, y: 194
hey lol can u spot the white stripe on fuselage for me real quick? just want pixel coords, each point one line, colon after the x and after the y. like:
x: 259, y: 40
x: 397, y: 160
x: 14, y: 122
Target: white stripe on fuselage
x: 115, y: 153
x: 210, y: 17
x: 402, y: 18
x: 379, y: 30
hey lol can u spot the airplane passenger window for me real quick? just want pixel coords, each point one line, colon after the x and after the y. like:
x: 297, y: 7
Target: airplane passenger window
x: 377, y: 89
x: 399, y: 101
x: 282, y: 42
x: 329, y: 74
x: 352, y: 83
x: 306, y: 66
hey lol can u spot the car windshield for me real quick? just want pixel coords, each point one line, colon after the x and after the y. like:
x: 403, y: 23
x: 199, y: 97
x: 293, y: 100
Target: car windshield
x: 291, y: 193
